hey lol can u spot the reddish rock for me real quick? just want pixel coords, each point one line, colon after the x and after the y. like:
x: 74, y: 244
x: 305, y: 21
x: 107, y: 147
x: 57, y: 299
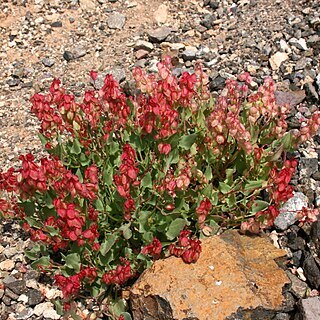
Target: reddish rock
x: 232, y: 272
x: 291, y: 98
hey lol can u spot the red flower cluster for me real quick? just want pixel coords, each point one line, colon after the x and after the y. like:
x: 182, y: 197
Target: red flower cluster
x: 70, y: 286
x: 188, y: 248
x: 120, y: 275
x: 127, y: 177
x: 280, y: 190
x: 154, y: 249
x: 202, y: 211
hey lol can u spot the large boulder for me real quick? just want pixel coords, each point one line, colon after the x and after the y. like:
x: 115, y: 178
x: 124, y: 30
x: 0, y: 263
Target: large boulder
x: 234, y: 272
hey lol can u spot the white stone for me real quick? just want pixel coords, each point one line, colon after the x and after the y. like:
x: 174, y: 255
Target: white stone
x: 300, y: 44
x: 277, y: 59
x: 23, y: 298
x: 7, y: 265
x: 46, y: 310
x: 161, y: 14
x: 284, y: 46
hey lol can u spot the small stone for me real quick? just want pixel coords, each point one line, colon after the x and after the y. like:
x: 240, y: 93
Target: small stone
x: 288, y: 212
x: 140, y: 54
x: 17, y: 286
x: 158, y: 35
x: 7, y: 265
x: 310, y: 308
x: 144, y: 45
x: 277, y: 59
x: 24, y: 314
x: 56, y: 24
x: 68, y: 56
x: 300, y: 44
x: 189, y: 54
x: 46, y: 310
x: 47, y: 62
x: 116, y: 20
x: 23, y: 298
x: 34, y: 297
x: 79, y: 52
x: 161, y: 14
x: 307, y: 167
x: 301, y: 64
x: 298, y: 287
x: 292, y: 98
x: 311, y: 271
x: 87, y: 5
x: 284, y: 46
x: 118, y: 73
x: 217, y: 83
x: 311, y: 91
x: 13, y: 82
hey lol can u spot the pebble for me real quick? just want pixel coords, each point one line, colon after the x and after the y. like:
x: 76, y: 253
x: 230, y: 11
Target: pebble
x: 158, y: 35
x: 144, y: 45
x: 288, y: 211
x: 300, y: 44
x: 277, y: 59
x: 116, y: 20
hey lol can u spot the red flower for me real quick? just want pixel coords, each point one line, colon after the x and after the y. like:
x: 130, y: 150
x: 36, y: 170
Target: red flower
x: 154, y: 249
x: 164, y: 148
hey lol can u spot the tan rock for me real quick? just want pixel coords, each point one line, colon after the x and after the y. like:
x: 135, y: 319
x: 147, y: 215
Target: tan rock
x: 277, y: 59
x: 7, y: 265
x: 161, y: 14
x: 233, y: 271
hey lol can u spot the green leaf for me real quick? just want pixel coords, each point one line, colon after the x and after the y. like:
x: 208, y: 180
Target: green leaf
x: 146, y: 181
x: 43, y: 261
x: 255, y: 184
x: 58, y: 306
x: 175, y: 227
x: 113, y: 147
x: 76, y: 147
x: 126, y: 316
x: 42, y: 138
x: 52, y: 231
x: 208, y: 173
x: 259, y: 205
x: 72, y: 261
x: 99, y: 205
x: 224, y: 188
x: 84, y: 160
x: 108, y: 176
x: 187, y: 141
x: 29, y: 207
x: 75, y: 316
x: 126, y: 231
x: 108, y: 243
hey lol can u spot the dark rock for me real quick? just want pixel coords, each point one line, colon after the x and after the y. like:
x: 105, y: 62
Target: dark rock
x: 217, y: 84
x: 298, y: 287
x: 13, y: 82
x: 34, y: 297
x: 31, y: 275
x: 56, y: 24
x: 294, y: 242
x: 296, y: 257
x: 214, y: 5
x: 311, y: 271
x: 17, y: 286
x: 189, y: 54
x: 28, y: 84
x: 310, y: 308
x: 207, y: 21
x: 311, y: 91
x: 68, y: 56
x: 159, y: 35
x: 10, y: 294
x: 308, y: 166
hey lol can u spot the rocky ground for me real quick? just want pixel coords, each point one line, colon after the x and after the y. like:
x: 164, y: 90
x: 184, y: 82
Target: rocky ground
x: 46, y: 39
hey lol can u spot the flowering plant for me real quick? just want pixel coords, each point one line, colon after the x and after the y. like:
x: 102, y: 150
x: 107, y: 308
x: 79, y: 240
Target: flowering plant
x: 130, y: 179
